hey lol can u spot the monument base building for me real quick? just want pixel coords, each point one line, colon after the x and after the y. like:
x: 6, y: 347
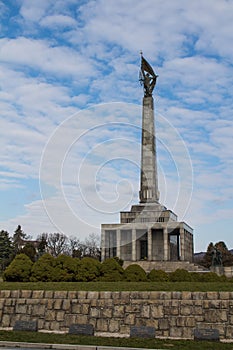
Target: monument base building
x: 149, y: 231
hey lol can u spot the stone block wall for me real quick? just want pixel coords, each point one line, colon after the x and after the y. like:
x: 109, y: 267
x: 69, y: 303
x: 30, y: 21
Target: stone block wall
x: 173, y: 314
x: 228, y: 271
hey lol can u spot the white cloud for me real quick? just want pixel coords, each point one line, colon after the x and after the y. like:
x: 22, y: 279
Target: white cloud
x: 55, y: 21
x: 34, y: 10
x: 39, y: 54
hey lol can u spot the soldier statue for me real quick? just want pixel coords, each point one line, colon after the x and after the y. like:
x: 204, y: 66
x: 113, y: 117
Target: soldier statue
x: 147, y: 77
x: 216, y: 257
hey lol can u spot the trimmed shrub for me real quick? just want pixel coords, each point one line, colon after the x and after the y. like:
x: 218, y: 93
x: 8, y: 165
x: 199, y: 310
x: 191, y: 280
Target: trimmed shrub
x: 29, y: 250
x: 88, y: 270
x: 19, y: 269
x: 195, y: 276
x: 180, y: 275
x: 119, y: 260
x: 135, y: 273
x: 44, y: 269
x: 111, y: 271
x: 157, y: 276
x: 66, y: 268
x: 210, y: 277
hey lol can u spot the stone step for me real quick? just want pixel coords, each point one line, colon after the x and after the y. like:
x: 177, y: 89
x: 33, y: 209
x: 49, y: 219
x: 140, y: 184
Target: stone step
x: 168, y: 266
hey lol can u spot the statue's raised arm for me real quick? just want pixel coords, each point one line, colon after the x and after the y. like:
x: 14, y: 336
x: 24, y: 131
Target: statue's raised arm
x: 147, y: 77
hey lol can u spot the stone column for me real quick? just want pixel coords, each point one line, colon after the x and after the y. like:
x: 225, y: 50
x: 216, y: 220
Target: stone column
x: 103, y: 245
x: 118, y: 243
x: 149, y: 177
x: 192, y: 249
x: 166, y: 245
x: 182, y: 244
x: 134, y: 240
x: 149, y: 242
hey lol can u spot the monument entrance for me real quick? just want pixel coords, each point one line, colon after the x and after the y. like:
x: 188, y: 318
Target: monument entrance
x: 143, y: 249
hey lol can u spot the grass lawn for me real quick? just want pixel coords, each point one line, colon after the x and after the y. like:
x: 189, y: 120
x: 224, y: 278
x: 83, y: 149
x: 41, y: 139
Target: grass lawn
x: 120, y: 286
x: 34, y: 337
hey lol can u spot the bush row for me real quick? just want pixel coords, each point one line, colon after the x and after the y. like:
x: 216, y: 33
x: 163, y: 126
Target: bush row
x: 67, y: 269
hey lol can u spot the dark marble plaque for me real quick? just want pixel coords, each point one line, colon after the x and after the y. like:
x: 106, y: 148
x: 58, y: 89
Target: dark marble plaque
x: 25, y: 326
x: 142, y: 332
x: 206, y: 334
x: 81, y: 329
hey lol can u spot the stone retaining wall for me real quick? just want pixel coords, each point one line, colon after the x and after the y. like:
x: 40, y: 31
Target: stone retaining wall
x: 173, y: 314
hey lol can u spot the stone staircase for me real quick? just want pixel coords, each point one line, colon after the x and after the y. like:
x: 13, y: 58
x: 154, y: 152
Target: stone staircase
x: 168, y: 266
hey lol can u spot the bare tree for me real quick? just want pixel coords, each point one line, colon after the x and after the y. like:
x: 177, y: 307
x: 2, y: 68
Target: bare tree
x: 92, y: 246
x: 57, y: 243
x: 89, y: 247
x: 75, y: 247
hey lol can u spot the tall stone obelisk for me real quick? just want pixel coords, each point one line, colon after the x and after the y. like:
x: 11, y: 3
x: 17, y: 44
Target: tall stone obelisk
x: 149, y: 192
x: 148, y: 232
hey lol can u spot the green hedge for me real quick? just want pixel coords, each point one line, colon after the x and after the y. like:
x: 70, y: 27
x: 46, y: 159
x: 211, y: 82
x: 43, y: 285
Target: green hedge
x: 111, y: 270
x: 180, y: 275
x: 135, y: 273
x: 19, y: 269
x: 158, y: 276
x: 88, y: 270
x: 44, y: 269
x: 67, y: 269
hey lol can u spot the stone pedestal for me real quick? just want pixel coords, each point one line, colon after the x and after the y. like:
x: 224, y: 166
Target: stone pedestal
x: 219, y: 270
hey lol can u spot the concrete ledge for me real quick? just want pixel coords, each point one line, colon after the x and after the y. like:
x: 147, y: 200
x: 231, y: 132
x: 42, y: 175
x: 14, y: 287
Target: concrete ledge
x: 46, y: 346
x: 5, y: 344
x: 111, y: 335
x: 116, y: 348
x: 63, y: 346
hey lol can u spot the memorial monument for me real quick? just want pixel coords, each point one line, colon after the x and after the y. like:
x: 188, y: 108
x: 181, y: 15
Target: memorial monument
x: 149, y: 231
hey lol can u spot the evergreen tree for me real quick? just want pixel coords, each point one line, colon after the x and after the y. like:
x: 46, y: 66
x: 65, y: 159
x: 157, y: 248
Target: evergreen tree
x: 43, y: 243
x: 29, y: 250
x: 6, y: 250
x: 18, y: 238
x: 19, y: 269
x: 227, y: 257
x: 207, y: 260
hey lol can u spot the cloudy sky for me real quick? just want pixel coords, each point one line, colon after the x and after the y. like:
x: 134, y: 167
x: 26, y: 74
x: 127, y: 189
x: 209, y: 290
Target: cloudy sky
x: 70, y: 104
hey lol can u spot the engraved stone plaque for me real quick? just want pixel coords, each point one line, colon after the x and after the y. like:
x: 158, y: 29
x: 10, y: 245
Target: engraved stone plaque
x: 142, y: 332
x: 81, y: 329
x: 206, y: 334
x: 25, y: 326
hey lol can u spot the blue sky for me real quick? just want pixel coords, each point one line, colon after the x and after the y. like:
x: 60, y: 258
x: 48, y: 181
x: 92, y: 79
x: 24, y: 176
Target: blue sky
x: 71, y: 112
